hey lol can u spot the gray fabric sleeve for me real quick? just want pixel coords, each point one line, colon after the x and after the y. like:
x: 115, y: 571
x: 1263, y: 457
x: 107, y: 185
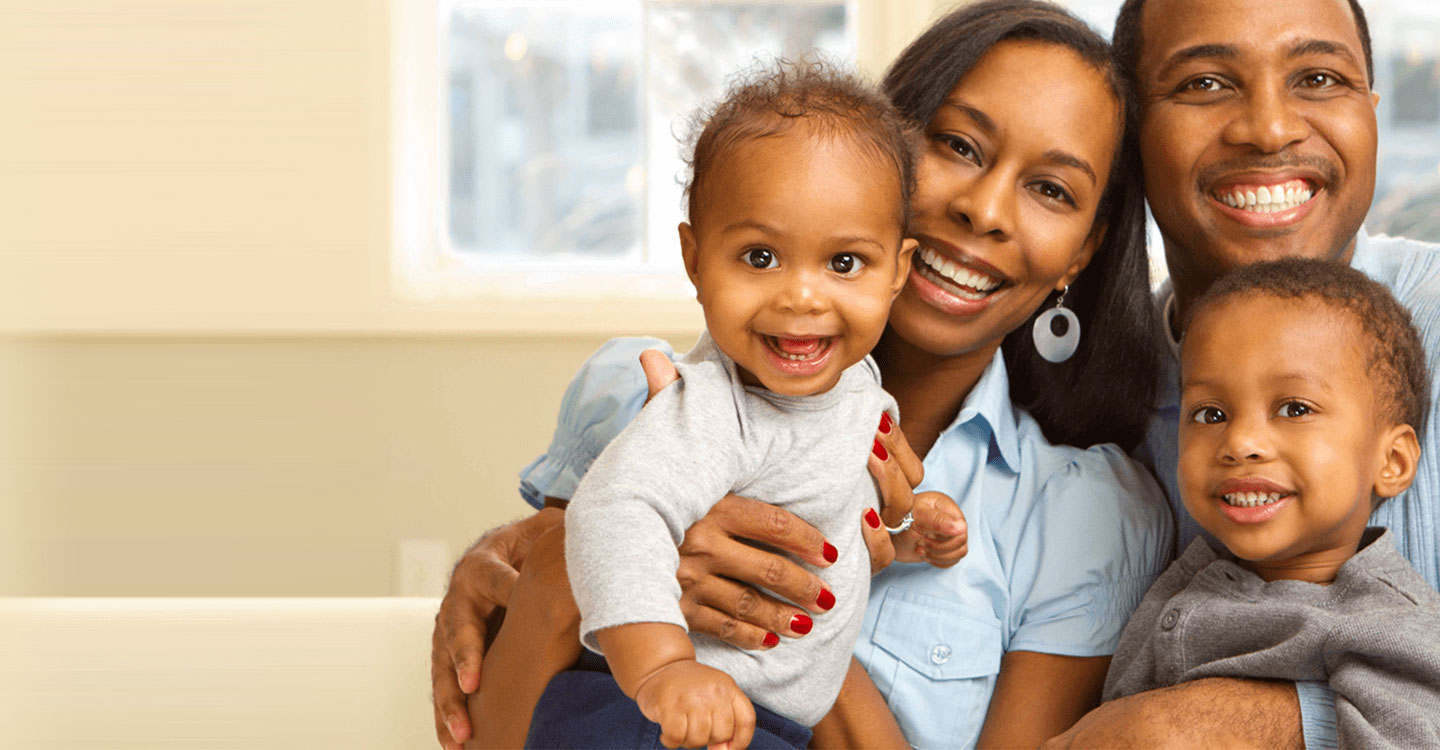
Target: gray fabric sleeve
x: 630, y: 511
x: 1385, y: 672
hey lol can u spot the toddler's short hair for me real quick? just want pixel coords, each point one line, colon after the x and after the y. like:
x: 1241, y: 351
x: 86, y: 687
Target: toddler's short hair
x: 770, y: 100
x: 1396, y: 355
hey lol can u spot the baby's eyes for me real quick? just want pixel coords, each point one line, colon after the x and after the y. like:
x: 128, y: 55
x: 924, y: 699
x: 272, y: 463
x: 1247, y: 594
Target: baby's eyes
x: 1293, y: 409
x: 760, y: 257
x: 1207, y: 415
x: 846, y: 264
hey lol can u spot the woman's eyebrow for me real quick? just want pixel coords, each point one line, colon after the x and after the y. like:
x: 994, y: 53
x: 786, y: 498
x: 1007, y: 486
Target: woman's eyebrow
x: 1054, y: 155
x: 1067, y: 159
x: 981, y: 119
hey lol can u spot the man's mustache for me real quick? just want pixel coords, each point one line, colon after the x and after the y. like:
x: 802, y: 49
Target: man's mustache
x: 1321, y: 166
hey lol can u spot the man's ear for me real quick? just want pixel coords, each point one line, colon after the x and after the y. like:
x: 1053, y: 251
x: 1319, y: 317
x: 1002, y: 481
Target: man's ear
x: 902, y: 265
x: 1374, y: 99
x: 690, y: 253
x: 1400, y: 455
x: 1087, y: 252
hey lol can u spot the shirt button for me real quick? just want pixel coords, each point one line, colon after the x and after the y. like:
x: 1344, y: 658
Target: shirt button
x: 1170, y: 618
x: 940, y: 654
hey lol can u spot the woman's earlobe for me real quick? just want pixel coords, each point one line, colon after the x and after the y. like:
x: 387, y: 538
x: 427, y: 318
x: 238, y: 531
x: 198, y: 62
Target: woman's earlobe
x: 1087, y: 254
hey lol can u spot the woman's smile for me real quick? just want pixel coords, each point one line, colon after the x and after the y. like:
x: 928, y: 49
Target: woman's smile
x: 1007, y: 197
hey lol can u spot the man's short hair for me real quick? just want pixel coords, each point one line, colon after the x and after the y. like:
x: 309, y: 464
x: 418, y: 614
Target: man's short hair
x: 1395, y: 354
x: 1127, y: 39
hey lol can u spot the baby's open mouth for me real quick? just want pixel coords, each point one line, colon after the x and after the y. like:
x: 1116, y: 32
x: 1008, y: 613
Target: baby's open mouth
x: 959, y: 280
x: 799, y: 349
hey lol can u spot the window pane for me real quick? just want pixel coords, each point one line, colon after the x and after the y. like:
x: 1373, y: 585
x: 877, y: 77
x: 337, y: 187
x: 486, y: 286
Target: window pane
x: 545, y: 138
x: 564, y: 116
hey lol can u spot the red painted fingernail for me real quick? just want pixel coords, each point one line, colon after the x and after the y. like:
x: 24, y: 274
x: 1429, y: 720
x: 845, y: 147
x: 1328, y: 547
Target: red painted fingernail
x: 830, y: 553
x: 879, y: 451
x: 872, y: 518
x: 801, y: 624
x: 884, y: 423
x: 771, y: 640
x: 825, y: 600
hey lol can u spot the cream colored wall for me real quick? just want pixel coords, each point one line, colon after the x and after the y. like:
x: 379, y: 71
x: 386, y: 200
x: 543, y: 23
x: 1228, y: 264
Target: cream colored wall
x: 207, y: 385
x: 260, y: 465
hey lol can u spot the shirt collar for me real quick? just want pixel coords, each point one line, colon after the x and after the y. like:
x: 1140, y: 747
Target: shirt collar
x: 988, y: 407
x: 1165, y: 301
x: 1362, y: 250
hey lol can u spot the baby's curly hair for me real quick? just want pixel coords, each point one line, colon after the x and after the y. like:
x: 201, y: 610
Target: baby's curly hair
x: 768, y: 100
x: 1396, y: 355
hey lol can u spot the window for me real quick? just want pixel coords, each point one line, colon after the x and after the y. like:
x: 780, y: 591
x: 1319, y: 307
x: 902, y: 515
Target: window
x: 538, y: 142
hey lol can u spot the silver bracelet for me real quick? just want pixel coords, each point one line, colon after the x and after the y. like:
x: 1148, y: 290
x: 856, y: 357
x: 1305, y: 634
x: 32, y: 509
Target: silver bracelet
x: 904, y: 524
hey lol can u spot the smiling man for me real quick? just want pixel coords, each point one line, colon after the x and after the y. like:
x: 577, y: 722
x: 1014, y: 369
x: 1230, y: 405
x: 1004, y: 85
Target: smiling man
x: 1258, y: 138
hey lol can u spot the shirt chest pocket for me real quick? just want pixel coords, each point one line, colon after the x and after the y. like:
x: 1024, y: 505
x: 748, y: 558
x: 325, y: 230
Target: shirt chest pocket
x: 946, y: 656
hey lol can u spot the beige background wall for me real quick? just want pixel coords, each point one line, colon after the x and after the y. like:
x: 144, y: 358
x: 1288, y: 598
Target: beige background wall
x: 206, y: 383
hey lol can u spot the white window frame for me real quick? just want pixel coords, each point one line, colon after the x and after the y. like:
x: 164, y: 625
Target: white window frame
x: 533, y: 296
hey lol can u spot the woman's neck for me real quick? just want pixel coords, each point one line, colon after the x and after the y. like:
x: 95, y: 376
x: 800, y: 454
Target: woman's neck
x: 928, y: 388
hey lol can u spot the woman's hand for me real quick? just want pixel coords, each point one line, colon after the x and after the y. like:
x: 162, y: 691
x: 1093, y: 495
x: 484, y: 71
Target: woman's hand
x: 938, y: 535
x: 479, y: 589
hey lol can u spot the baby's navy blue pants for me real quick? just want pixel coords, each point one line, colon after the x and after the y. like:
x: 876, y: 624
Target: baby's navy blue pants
x: 584, y: 708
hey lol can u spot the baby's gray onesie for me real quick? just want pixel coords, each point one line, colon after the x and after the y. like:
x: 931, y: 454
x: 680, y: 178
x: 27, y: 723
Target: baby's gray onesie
x: 697, y: 440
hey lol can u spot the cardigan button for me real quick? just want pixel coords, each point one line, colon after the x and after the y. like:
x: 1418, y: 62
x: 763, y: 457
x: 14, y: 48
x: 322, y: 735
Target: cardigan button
x: 1168, y: 621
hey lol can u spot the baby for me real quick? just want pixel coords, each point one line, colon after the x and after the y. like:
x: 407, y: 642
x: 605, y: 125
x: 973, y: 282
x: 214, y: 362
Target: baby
x: 1303, y: 388
x: 798, y: 204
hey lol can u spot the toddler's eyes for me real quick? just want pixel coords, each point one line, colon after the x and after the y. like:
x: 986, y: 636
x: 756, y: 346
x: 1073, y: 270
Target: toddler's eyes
x: 1208, y: 415
x: 1293, y: 409
x: 759, y: 257
x: 846, y: 264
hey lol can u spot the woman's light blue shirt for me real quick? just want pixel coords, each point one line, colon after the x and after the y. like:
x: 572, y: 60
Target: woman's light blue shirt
x: 1063, y: 544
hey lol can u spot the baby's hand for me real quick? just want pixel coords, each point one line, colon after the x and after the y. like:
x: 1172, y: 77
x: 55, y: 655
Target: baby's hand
x: 938, y: 536
x: 696, y: 706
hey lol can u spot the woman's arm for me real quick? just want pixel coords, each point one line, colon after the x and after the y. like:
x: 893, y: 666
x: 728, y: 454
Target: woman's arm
x: 860, y: 718
x: 1038, y: 696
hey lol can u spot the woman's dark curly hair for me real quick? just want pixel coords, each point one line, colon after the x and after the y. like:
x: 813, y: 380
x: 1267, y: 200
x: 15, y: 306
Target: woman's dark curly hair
x: 1106, y: 391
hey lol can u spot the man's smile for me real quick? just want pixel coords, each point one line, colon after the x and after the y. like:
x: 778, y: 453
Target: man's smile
x: 1264, y: 198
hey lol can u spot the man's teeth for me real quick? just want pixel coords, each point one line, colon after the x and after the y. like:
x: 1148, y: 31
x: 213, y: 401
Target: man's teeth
x: 963, y: 281
x: 1251, y: 499
x: 1267, y: 199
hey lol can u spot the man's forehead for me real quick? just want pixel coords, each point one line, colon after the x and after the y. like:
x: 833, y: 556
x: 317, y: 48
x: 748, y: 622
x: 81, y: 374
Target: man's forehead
x: 1171, y: 28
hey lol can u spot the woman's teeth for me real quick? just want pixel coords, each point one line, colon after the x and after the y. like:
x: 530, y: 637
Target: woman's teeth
x: 1251, y: 499
x: 957, y: 279
x: 1266, y: 199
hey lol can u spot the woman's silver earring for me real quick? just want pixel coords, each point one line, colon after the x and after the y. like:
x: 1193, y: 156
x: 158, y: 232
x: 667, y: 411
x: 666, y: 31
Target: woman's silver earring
x: 1057, y: 331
